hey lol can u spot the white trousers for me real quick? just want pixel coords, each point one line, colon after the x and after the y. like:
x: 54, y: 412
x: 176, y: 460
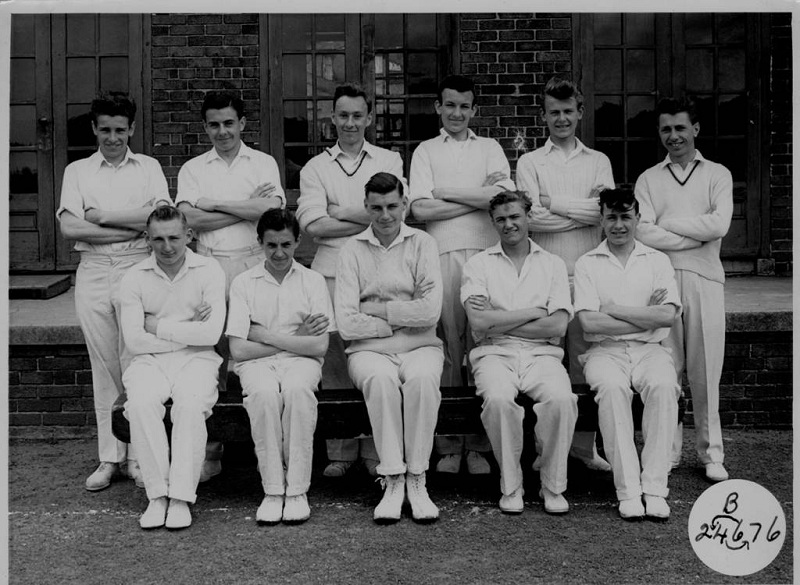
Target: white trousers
x: 697, y: 341
x: 279, y: 399
x: 403, y: 397
x: 611, y: 368
x: 499, y: 377
x: 192, y: 384
x: 97, y: 307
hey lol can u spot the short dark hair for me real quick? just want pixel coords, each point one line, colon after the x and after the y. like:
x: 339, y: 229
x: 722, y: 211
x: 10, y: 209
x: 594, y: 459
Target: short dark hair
x: 672, y: 107
x: 277, y: 220
x: 167, y: 213
x: 618, y: 200
x: 351, y: 90
x: 218, y: 100
x: 561, y: 88
x: 457, y: 83
x: 504, y: 197
x: 383, y: 183
x: 113, y: 103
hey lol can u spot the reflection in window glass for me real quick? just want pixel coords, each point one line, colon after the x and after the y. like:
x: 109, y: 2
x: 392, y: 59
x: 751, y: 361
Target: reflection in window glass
x: 79, y: 126
x: 330, y: 73
x: 23, y: 172
x: 326, y: 129
x: 23, y: 80
x: 296, y: 32
x: 330, y: 32
x: 388, y: 31
x: 699, y: 28
x: 608, y: 119
x: 80, y: 34
x: 608, y: 70
x: 641, y: 116
x: 81, y: 82
x: 297, y: 76
x: 607, y: 29
x: 22, y: 129
x: 295, y: 122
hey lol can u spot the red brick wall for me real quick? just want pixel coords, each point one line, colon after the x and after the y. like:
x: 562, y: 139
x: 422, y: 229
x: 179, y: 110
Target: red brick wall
x: 780, y: 154
x: 191, y: 54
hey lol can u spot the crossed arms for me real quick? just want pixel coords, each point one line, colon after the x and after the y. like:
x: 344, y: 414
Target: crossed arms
x: 309, y: 340
x: 614, y: 319
x: 211, y: 214
x: 528, y: 323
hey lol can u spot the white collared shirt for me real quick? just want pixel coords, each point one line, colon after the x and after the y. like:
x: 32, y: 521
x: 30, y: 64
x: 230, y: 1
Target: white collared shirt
x: 257, y: 298
x: 94, y: 183
x: 600, y: 278
x: 208, y: 175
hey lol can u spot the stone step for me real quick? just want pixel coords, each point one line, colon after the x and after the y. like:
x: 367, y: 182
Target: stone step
x: 37, y: 286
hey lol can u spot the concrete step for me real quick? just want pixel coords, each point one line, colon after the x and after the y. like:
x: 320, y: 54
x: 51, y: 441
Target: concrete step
x: 37, y: 286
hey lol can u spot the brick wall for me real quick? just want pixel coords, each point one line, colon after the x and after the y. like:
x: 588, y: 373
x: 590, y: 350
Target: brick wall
x: 191, y: 54
x: 780, y: 163
x: 510, y: 57
x: 50, y: 391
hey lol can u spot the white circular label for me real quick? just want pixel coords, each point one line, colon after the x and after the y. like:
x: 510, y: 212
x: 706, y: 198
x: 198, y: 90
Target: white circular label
x: 737, y: 527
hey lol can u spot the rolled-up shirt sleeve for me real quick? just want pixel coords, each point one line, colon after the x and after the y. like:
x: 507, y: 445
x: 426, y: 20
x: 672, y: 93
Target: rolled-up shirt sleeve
x: 559, y: 297
x: 586, y: 296
x: 351, y: 322
x: 71, y: 199
x: 188, y: 186
x: 239, y: 316
x: 421, y: 175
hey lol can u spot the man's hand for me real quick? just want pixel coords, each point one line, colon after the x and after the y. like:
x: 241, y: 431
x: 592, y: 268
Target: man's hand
x: 206, y: 204
x: 93, y: 215
x: 315, y: 324
x: 659, y: 296
x: 596, y: 190
x: 423, y: 289
x: 373, y: 308
x: 263, y: 190
x: 478, y: 302
x: 333, y: 210
x: 494, y: 178
x: 202, y: 312
x: 150, y: 323
x: 545, y: 201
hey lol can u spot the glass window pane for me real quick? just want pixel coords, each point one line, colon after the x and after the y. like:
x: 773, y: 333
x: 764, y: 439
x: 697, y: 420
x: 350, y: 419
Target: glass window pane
x: 380, y: 87
x: 79, y: 126
x: 733, y: 155
x: 639, y: 29
x: 330, y: 73
x: 23, y: 172
x: 395, y: 63
x: 608, y: 70
x: 330, y: 32
x: 379, y: 65
x: 421, y: 31
x: 296, y: 32
x: 700, y: 75
x: 23, y: 80
x: 295, y: 158
x: 421, y: 73
x: 608, y: 116
x: 22, y: 34
x: 326, y: 129
x: 614, y: 151
x: 706, y: 113
x: 388, y: 31
x: 641, y: 70
x: 732, y: 115
x: 297, y: 76
x: 114, y: 73
x: 80, y: 34
x: 396, y: 86
x: 641, y: 156
x: 423, y: 121
x: 707, y: 147
x: 731, y: 69
x: 81, y: 82
x: 295, y: 121
x: 607, y: 29
x: 113, y: 33
x: 22, y: 129
x: 731, y: 27
x: 73, y: 155
x: 699, y: 28
x: 641, y: 116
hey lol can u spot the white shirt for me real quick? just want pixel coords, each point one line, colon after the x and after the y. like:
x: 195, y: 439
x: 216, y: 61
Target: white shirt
x: 208, y: 175
x: 146, y: 289
x: 600, y: 278
x: 542, y: 283
x: 256, y: 297
x: 92, y: 182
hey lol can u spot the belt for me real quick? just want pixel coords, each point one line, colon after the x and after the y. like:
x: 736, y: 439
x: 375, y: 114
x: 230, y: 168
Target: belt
x: 246, y: 251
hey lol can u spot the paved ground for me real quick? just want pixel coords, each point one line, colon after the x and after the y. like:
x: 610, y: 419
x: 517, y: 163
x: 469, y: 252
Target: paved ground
x: 60, y: 533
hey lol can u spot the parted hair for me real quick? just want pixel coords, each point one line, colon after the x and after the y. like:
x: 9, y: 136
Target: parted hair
x: 457, y: 83
x: 113, y: 103
x: 383, y: 183
x: 351, y: 90
x: 673, y: 106
x: 218, y: 100
x: 618, y: 200
x: 510, y: 197
x: 561, y: 88
x: 277, y: 220
x: 167, y: 213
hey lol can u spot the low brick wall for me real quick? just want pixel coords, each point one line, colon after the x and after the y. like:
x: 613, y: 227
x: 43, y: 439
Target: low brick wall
x: 50, y: 387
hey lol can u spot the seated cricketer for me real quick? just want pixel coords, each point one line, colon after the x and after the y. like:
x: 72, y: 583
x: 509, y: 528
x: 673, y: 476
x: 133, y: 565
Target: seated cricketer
x: 517, y: 300
x: 173, y: 310
x: 626, y: 298
x: 279, y: 318
x: 388, y: 300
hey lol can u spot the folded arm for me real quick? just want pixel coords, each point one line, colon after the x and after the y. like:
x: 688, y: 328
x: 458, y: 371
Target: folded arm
x: 487, y: 321
x: 75, y: 228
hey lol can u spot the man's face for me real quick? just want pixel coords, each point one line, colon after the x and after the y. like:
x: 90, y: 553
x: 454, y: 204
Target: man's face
x: 224, y: 128
x: 456, y: 110
x: 113, y: 134
x: 279, y: 250
x: 619, y: 225
x: 677, y: 134
x: 561, y: 116
x: 510, y: 221
x: 168, y: 239
x: 351, y: 118
x: 386, y: 212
